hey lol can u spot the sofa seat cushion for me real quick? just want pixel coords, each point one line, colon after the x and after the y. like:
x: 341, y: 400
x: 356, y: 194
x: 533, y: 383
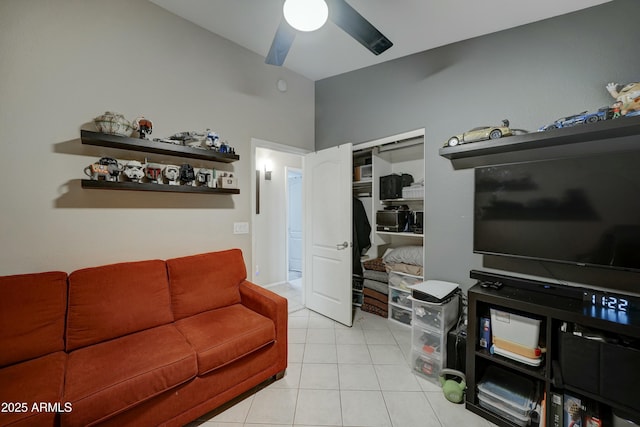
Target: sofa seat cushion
x: 110, y: 301
x: 205, y: 282
x: 226, y: 334
x: 107, y: 378
x: 32, y: 382
x: 32, y: 310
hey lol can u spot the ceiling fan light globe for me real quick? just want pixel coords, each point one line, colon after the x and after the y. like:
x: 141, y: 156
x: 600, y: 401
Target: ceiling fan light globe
x: 306, y: 15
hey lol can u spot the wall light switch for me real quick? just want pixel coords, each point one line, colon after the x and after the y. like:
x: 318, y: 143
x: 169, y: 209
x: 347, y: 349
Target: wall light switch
x: 240, y: 228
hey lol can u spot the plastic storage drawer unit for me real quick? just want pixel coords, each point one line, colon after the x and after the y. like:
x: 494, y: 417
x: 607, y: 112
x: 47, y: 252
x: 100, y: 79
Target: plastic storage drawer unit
x: 430, y: 324
x: 403, y: 281
x: 438, y: 317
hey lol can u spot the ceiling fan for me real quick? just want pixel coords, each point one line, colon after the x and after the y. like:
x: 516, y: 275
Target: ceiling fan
x: 343, y: 15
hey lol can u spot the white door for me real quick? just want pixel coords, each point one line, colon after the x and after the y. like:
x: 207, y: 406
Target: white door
x: 294, y: 226
x: 328, y: 215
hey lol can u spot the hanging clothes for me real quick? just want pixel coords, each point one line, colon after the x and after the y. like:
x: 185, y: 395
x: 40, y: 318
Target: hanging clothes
x: 361, y: 235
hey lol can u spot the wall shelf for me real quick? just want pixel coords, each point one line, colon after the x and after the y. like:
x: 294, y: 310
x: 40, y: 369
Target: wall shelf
x: 605, y: 136
x: 400, y: 233
x: 144, y: 186
x: 145, y: 145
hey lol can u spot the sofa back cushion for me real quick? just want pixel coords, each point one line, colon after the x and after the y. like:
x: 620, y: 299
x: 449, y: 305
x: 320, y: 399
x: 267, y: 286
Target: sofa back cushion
x: 32, y: 310
x: 115, y: 300
x: 205, y: 282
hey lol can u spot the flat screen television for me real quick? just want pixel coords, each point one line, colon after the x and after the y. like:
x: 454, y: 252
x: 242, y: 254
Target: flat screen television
x: 582, y: 210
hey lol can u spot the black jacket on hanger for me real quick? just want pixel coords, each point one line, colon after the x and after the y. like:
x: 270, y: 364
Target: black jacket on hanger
x: 361, y: 235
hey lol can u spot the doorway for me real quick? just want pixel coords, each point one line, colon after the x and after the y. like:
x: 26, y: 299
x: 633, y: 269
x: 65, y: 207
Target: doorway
x: 277, y: 220
x: 294, y: 224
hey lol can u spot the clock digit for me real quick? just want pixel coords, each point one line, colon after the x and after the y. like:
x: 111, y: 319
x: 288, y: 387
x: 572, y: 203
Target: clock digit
x: 623, y: 304
x: 613, y: 303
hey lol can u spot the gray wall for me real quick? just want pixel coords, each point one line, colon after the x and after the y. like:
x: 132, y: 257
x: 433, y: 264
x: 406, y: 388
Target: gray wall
x: 531, y: 75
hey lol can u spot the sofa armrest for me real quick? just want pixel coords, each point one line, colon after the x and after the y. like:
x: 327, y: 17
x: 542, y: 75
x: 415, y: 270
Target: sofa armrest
x: 275, y: 307
x: 267, y: 303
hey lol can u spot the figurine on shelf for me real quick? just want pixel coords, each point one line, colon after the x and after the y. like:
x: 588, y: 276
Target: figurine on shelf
x: 204, y: 177
x: 184, y: 138
x: 172, y: 174
x: 113, y: 166
x: 97, y: 171
x: 134, y: 171
x: 113, y: 123
x: 212, y: 140
x: 187, y: 174
x: 153, y: 172
x: 628, y: 97
x: 143, y: 126
x: 226, y: 148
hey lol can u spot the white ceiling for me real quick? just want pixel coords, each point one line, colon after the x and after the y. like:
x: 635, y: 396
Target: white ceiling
x: 412, y: 25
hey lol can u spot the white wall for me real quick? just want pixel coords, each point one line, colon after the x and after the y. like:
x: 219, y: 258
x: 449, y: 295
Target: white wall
x: 63, y: 63
x: 270, y: 226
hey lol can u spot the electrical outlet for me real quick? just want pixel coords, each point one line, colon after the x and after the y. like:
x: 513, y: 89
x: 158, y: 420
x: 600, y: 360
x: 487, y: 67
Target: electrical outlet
x: 240, y: 227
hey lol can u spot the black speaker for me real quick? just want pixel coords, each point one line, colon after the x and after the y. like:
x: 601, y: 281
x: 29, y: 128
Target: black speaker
x: 456, y: 348
x: 390, y: 187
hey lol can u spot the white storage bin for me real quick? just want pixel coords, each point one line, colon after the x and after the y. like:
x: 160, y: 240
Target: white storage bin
x: 437, y: 317
x: 400, y: 298
x: 516, y: 329
x: 428, y: 367
x: 521, y: 420
x: 507, y: 389
x: 400, y: 315
x: 403, y: 281
x: 519, y: 406
x: 428, y: 342
x: 413, y: 192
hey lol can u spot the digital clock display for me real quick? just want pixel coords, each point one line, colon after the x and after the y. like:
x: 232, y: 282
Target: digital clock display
x: 607, y: 301
x: 607, y: 306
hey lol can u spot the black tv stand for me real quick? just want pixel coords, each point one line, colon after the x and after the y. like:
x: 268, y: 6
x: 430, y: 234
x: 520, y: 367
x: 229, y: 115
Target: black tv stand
x: 533, y: 285
x: 601, y: 372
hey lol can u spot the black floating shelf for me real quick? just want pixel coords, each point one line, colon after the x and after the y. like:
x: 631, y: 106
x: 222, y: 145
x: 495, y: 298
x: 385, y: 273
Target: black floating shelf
x: 155, y: 147
x: 566, y: 137
x: 144, y: 186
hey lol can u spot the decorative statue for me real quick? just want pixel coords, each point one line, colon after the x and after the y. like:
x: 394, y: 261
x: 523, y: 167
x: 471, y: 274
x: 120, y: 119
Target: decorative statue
x: 153, y: 172
x: 114, y: 167
x: 204, y: 177
x: 627, y: 98
x: 143, y: 126
x: 172, y: 174
x: 134, y: 170
x: 187, y: 174
x: 212, y: 140
x: 96, y: 171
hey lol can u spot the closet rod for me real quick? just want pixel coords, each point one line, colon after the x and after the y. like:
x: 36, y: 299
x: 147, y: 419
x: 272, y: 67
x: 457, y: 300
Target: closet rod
x: 396, y: 145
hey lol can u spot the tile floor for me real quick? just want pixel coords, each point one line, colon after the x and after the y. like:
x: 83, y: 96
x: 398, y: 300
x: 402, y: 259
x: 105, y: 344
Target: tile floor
x: 292, y: 291
x: 340, y: 376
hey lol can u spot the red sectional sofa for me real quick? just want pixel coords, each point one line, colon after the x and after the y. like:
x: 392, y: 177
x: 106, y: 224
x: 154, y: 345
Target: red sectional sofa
x: 142, y: 343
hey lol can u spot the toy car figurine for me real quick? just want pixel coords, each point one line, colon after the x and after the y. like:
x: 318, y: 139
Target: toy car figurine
x: 482, y: 133
x: 603, y: 113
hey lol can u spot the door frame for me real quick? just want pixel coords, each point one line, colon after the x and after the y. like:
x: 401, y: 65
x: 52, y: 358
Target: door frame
x: 288, y: 169
x: 274, y: 146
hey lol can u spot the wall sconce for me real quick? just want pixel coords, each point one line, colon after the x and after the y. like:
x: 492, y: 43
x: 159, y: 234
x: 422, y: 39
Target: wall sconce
x: 268, y: 167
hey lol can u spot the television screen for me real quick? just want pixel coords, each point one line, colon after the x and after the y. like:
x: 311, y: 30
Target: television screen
x: 583, y: 210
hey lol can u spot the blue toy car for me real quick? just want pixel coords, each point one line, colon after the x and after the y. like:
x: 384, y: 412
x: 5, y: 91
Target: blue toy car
x: 603, y: 113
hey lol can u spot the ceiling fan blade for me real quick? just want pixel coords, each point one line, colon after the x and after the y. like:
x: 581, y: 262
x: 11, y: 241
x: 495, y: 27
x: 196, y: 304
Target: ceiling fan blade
x: 281, y: 44
x: 354, y: 24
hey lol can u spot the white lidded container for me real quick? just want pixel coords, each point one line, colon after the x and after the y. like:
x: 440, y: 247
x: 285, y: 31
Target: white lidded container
x: 513, y: 328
